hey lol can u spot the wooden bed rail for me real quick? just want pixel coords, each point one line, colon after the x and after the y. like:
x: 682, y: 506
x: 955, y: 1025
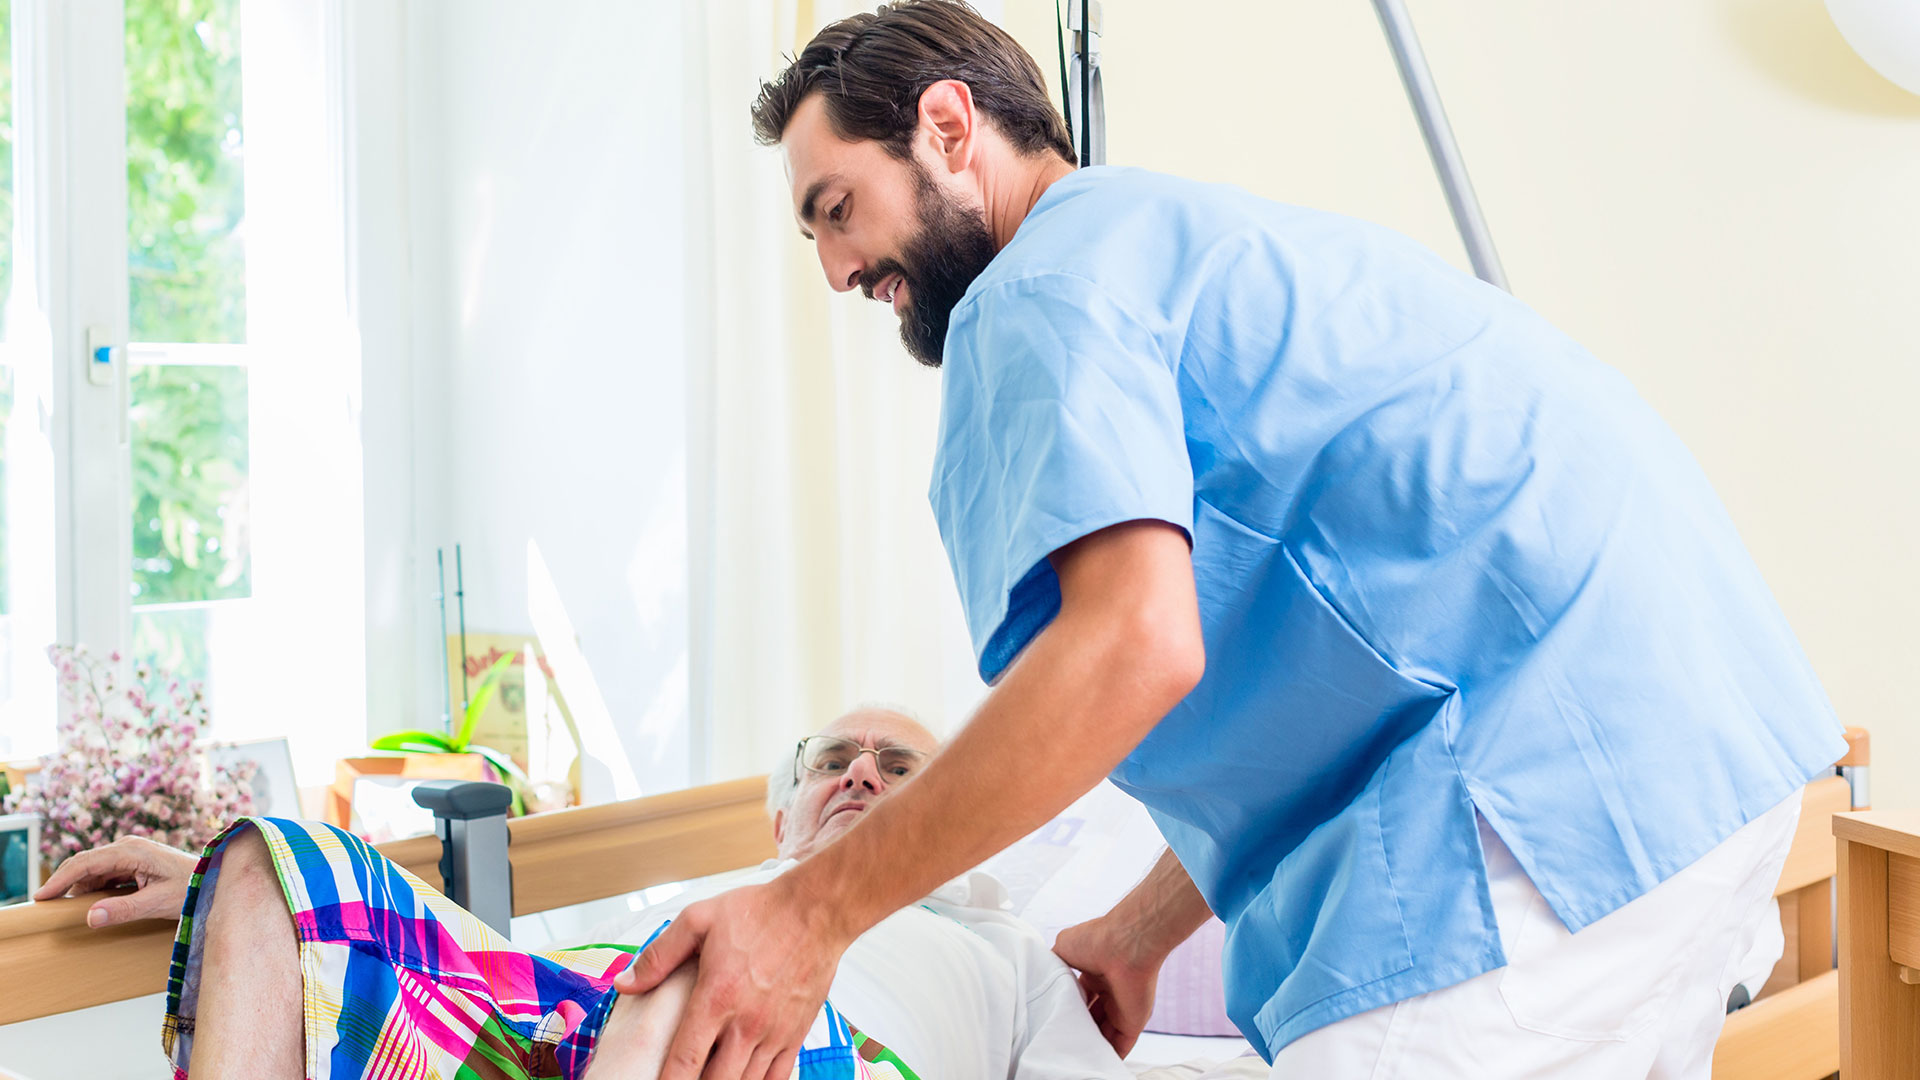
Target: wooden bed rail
x: 586, y: 853
x: 1859, y: 748
x: 52, y: 962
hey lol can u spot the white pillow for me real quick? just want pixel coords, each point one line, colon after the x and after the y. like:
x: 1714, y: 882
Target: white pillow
x: 1076, y: 866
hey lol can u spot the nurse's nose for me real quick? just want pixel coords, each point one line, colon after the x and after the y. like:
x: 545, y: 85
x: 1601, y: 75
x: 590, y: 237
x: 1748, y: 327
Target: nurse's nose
x: 843, y: 268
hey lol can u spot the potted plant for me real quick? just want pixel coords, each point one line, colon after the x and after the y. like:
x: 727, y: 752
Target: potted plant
x: 460, y: 740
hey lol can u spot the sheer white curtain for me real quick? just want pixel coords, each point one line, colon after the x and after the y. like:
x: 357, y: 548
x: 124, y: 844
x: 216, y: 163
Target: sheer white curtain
x: 288, y: 662
x: 818, y: 577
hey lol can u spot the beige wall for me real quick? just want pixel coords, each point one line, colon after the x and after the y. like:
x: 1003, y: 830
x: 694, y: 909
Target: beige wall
x: 1715, y: 196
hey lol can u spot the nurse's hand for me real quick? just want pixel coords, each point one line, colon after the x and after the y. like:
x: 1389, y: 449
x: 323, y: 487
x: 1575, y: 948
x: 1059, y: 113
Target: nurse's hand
x: 767, y: 959
x: 160, y: 874
x: 1117, y: 977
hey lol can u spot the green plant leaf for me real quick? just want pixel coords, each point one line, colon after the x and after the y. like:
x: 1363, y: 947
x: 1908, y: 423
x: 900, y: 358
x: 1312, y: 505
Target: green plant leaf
x: 482, y: 696
x: 414, y: 740
x: 413, y: 748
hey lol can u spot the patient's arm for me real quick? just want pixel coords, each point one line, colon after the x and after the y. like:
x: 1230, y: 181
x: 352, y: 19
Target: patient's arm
x: 633, y: 1045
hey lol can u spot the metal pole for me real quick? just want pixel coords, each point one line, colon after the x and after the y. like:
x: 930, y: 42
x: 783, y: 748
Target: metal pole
x: 460, y: 595
x: 1085, y: 91
x: 1439, y: 137
x: 1086, y: 87
x: 446, y: 678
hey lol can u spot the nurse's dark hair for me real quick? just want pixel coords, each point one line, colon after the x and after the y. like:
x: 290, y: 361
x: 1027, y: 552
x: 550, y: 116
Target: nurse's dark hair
x: 872, y: 68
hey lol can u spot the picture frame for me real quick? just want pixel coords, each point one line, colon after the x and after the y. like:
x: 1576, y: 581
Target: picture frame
x: 503, y: 724
x: 19, y: 857
x: 276, y: 792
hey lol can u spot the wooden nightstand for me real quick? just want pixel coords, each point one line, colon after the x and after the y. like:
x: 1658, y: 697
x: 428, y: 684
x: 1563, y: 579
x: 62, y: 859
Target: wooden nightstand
x: 1879, y: 855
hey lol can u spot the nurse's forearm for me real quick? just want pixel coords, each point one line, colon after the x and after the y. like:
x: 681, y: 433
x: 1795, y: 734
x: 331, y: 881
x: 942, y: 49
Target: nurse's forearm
x: 1123, y: 651
x: 1162, y: 911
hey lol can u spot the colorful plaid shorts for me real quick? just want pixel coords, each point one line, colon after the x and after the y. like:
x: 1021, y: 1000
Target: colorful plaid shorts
x: 401, y: 983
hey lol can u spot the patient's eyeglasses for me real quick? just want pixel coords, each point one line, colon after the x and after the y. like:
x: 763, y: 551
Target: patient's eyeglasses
x: 830, y: 755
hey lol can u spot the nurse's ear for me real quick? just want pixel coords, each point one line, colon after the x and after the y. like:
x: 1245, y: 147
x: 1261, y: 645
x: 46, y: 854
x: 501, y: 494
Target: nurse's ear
x: 948, y: 124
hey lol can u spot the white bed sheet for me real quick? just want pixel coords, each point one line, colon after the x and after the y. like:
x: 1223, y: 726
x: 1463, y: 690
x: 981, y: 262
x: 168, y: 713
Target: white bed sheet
x: 1194, y: 1057
x: 1156, y: 1056
x: 1155, y: 1048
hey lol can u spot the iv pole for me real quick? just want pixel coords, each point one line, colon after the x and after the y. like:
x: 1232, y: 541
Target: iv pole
x: 1447, y: 162
x: 1086, y: 94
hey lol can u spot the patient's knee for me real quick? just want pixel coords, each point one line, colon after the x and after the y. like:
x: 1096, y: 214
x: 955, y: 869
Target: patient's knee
x: 249, y: 908
x: 246, y: 865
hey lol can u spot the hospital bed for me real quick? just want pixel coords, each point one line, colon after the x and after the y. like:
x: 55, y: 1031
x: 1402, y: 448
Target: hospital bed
x: 50, y: 962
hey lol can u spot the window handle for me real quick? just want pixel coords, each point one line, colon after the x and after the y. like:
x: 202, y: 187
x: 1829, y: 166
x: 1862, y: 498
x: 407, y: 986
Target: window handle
x: 107, y: 366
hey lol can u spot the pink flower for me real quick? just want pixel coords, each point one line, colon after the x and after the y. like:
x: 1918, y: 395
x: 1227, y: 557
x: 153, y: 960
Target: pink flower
x: 127, y: 765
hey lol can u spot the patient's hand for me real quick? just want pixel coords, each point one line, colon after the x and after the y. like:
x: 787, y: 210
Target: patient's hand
x: 160, y: 873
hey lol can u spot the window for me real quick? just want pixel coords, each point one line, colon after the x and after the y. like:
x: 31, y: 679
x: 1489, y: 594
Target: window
x: 208, y: 482
x: 187, y: 317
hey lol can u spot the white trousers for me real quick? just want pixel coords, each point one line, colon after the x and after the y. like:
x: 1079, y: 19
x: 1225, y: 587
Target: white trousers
x: 1639, y: 993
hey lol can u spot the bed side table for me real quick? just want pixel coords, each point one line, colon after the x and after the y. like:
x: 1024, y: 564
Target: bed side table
x: 1879, y: 857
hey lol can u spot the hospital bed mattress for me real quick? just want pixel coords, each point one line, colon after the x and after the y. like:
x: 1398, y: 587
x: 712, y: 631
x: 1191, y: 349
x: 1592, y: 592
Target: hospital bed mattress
x: 1192, y: 1057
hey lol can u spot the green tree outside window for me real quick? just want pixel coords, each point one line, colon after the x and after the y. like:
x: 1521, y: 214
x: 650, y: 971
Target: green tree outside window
x: 185, y: 199
x: 186, y: 261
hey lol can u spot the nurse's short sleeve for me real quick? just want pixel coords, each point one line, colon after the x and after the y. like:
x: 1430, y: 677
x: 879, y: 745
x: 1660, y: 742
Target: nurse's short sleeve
x: 1060, y: 416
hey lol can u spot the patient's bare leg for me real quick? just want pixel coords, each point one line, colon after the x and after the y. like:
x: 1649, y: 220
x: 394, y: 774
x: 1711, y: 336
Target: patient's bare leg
x: 248, y: 1023
x: 633, y: 1045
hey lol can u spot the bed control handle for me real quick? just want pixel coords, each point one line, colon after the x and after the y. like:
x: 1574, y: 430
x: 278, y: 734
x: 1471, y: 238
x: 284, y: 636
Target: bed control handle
x: 463, y: 799
x: 470, y: 818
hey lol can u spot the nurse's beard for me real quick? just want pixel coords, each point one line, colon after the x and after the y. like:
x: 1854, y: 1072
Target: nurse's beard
x: 951, y: 249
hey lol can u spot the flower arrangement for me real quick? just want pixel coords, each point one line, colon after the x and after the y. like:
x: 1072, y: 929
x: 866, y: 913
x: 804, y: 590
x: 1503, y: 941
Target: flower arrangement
x: 127, y: 764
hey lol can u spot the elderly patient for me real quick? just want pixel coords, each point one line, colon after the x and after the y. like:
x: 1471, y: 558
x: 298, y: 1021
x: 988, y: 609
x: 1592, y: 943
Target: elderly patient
x: 304, y: 953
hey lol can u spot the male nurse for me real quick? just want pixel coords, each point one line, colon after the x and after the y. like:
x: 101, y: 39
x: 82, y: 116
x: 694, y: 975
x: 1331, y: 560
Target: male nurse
x: 1426, y: 642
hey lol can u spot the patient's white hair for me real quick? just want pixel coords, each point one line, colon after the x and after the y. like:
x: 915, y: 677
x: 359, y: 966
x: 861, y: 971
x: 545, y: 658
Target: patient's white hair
x: 781, y: 779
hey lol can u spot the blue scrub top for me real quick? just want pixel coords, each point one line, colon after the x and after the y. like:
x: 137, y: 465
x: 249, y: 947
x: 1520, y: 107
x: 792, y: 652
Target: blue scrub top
x: 1446, y: 561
